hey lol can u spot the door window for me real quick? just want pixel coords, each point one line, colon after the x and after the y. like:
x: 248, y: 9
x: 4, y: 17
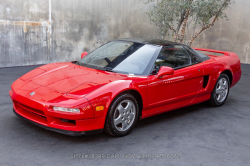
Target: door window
x: 172, y: 56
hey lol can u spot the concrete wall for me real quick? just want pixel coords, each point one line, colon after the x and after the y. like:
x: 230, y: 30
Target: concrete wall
x: 45, y: 31
x: 232, y: 35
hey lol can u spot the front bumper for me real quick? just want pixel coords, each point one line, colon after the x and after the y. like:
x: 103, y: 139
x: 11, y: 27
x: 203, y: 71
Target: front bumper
x: 70, y: 124
x: 66, y: 132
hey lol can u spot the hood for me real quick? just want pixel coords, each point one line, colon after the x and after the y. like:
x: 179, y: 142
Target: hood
x: 69, y: 78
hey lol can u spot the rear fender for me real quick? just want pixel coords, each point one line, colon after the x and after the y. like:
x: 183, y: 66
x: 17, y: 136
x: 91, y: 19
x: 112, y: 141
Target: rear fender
x: 228, y: 61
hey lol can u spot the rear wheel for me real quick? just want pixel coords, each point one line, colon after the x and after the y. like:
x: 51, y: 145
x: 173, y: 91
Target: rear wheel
x: 122, y: 115
x: 221, y: 91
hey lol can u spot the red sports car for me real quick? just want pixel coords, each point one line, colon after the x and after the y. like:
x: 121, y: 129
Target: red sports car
x: 119, y: 83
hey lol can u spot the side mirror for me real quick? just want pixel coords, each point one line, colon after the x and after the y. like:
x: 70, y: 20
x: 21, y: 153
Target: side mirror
x: 84, y: 54
x: 164, y: 70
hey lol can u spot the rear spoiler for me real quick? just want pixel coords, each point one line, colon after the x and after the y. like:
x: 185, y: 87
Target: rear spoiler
x: 214, y: 51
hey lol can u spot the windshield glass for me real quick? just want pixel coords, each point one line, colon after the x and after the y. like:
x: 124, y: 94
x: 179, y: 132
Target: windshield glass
x: 121, y: 56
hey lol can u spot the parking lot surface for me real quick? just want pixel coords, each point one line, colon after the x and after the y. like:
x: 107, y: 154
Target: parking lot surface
x: 198, y: 135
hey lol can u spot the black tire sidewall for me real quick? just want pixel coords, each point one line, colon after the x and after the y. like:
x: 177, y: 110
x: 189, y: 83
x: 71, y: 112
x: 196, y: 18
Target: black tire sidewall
x: 110, y: 114
x: 213, y: 96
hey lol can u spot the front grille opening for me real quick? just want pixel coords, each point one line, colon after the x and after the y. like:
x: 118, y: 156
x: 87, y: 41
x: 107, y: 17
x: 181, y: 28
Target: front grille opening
x: 68, y: 121
x: 27, y: 108
x: 39, y: 115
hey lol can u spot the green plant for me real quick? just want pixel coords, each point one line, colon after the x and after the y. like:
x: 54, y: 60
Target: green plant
x: 174, y: 15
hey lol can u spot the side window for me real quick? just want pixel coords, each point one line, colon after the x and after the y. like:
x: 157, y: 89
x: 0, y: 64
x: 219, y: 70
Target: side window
x: 194, y: 58
x: 172, y: 56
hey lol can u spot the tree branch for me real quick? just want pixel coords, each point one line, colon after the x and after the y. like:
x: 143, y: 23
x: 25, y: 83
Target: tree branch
x: 184, y: 20
x: 183, y: 31
x: 181, y: 20
x: 169, y: 26
x: 209, y: 25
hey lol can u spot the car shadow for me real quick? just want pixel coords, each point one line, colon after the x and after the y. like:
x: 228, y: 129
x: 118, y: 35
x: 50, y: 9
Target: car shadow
x: 39, y: 133
x: 170, y: 115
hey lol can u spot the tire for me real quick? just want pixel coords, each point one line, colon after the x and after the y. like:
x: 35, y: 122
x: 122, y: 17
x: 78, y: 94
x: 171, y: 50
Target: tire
x: 122, y: 115
x: 220, y: 92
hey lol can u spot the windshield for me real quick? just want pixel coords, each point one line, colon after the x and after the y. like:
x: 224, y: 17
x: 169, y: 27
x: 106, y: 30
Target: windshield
x: 121, y: 56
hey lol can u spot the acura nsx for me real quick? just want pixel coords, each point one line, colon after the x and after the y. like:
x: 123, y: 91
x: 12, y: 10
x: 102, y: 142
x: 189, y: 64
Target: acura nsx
x: 121, y: 82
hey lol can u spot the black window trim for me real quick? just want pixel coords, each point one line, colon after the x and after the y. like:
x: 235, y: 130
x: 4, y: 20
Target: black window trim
x: 176, y: 68
x: 200, y: 60
x: 197, y: 55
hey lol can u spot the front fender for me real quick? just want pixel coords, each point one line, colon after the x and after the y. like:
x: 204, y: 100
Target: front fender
x: 107, y: 93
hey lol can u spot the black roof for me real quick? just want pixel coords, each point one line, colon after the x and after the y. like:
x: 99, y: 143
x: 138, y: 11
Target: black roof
x: 151, y: 41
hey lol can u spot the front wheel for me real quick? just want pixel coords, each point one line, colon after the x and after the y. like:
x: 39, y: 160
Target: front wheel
x: 221, y: 91
x: 122, y: 115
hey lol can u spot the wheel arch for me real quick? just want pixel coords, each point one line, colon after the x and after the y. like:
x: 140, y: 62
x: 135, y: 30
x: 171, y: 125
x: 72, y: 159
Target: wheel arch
x: 107, y: 94
x: 137, y: 96
x: 229, y: 74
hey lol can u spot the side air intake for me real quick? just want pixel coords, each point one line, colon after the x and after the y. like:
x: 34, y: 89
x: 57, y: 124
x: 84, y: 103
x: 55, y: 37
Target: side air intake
x: 205, y: 81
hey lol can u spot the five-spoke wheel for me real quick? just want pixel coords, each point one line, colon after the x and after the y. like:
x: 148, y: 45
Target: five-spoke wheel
x: 122, y: 115
x: 221, y: 90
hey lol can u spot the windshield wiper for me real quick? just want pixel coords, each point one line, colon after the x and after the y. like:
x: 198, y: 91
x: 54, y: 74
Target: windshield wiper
x: 107, y: 60
x: 77, y: 63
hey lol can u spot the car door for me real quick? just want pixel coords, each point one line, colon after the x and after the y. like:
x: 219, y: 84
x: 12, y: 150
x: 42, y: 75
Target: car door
x: 178, y: 89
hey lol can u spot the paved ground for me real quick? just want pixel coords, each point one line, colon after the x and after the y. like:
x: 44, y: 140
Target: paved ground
x: 200, y: 135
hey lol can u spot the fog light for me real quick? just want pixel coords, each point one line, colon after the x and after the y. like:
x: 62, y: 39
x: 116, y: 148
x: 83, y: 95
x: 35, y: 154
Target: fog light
x: 70, y: 110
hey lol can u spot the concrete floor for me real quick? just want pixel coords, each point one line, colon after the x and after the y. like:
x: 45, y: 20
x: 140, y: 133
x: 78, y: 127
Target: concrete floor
x: 200, y: 135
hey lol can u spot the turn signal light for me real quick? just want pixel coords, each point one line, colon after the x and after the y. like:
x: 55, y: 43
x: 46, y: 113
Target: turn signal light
x: 99, y: 108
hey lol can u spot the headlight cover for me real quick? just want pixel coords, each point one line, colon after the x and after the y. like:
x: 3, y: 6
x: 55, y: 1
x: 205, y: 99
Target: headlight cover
x: 68, y: 110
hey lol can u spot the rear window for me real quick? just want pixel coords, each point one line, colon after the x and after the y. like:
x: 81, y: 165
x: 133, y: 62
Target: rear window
x: 202, y: 56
